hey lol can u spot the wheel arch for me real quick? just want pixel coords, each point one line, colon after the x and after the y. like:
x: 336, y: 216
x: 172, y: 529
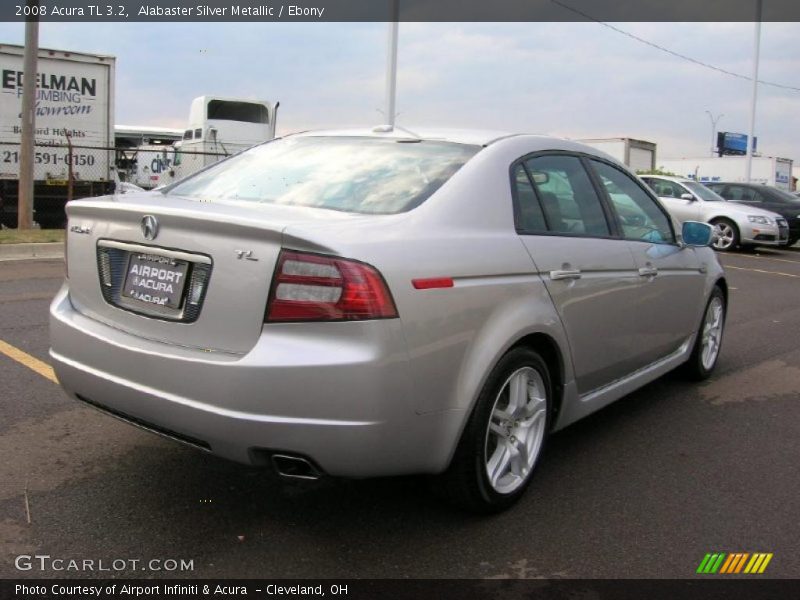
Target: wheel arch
x: 547, y: 347
x: 548, y: 340
x: 722, y: 283
x: 730, y: 220
x: 556, y: 359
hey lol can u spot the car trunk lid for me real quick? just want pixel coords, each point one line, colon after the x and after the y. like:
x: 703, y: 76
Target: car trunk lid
x: 175, y: 270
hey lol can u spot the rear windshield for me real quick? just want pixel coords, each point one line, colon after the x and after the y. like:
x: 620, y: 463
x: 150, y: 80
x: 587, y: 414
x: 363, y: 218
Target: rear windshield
x: 351, y: 174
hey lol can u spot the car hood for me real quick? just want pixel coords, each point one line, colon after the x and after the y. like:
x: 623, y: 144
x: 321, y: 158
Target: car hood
x: 735, y: 208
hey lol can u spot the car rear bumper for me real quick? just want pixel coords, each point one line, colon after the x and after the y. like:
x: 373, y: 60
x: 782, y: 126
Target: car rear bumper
x: 340, y: 397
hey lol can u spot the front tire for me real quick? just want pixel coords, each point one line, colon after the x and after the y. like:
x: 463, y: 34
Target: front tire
x: 709, y: 338
x: 727, y: 235
x: 504, y: 437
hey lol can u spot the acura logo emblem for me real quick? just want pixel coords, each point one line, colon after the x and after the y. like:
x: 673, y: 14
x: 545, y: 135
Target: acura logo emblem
x: 149, y: 227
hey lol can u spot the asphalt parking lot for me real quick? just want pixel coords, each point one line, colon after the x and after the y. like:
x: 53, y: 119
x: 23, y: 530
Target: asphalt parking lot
x: 644, y: 488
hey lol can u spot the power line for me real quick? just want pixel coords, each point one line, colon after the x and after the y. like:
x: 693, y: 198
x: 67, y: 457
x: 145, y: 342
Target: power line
x: 672, y: 52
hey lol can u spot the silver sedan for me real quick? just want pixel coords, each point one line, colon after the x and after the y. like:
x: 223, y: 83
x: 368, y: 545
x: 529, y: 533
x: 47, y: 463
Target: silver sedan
x: 734, y: 224
x: 365, y: 303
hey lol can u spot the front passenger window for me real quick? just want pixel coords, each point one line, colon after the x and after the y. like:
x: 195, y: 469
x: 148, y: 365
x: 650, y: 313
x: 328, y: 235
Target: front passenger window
x: 641, y: 218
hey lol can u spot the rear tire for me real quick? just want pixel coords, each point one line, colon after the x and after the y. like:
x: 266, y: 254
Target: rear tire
x: 708, y: 344
x: 504, y: 437
x: 727, y: 233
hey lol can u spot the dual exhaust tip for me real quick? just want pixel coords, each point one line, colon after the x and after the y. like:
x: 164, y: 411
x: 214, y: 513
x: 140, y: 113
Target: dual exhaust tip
x: 295, y: 467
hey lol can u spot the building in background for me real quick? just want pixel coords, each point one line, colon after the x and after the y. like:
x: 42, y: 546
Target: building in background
x: 768, y: 170
x: 638, y: 155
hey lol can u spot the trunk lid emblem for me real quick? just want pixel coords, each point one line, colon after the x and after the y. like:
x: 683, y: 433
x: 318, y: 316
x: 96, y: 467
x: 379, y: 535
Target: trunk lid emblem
x: 149, y: 227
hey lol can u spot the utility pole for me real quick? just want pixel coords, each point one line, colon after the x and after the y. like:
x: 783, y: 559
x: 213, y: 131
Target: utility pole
x: 26, y: 150
x: 713, y: 130
x: 751, y: 140
x: 391, y: 64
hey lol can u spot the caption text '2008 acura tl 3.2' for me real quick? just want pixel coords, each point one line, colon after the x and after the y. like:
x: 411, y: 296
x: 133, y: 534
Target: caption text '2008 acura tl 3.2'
x: 373, y: 303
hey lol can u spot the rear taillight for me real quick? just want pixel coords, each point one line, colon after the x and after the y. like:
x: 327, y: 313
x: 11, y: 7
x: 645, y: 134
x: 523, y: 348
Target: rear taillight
x: 311, y: 287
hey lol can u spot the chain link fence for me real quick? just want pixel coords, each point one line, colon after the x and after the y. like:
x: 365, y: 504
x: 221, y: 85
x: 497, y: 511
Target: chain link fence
x: 67, y: 171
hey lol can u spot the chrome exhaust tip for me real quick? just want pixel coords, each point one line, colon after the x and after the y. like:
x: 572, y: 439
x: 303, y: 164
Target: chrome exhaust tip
x: 294, y: 467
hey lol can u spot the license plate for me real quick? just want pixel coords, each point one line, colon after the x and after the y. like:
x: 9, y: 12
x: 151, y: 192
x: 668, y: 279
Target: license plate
x: 155, y: 279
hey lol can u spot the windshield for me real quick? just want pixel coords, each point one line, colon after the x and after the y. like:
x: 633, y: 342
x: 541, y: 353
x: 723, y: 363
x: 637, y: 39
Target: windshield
x: 703, y: 192
x: 351, y: 174
x: 785, y: 196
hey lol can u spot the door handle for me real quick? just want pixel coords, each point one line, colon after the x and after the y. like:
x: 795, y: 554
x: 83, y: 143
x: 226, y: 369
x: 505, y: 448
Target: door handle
x: 565, y: 274
x: 648, y: 272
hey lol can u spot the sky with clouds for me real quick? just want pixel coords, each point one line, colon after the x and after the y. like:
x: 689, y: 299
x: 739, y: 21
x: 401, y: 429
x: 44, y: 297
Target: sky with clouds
x: 569, y: 79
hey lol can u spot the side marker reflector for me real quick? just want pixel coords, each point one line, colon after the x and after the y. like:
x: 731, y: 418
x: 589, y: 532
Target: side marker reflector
x: 432, y: 283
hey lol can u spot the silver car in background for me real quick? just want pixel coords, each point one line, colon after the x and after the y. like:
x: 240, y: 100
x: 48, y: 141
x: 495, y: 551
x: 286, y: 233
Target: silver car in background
x: 367, y: 303
x: 734, y: 225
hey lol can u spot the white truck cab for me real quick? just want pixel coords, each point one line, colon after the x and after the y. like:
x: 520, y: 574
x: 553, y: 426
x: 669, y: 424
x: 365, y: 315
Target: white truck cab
x: 219, y: 127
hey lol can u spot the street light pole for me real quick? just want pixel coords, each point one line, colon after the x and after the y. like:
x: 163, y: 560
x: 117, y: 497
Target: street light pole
x: 391, y: 65
x: 751, y: 137
x: 714, y: 130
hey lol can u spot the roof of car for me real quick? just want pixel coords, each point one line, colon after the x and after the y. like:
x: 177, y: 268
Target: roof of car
x: 473, y: 137
x: 741, y: 183
x: 669, y: 178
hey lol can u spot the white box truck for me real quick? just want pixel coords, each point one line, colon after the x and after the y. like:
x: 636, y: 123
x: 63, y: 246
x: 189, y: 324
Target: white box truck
x: 75, y: 104
x: 638, y: 155
x: 769, y: 170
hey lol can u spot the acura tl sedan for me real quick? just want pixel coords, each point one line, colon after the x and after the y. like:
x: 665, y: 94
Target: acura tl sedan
x: 734, y: 225
x: 374, y: 303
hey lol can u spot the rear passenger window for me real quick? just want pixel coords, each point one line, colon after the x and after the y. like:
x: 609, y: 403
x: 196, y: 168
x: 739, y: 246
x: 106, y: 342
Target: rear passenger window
x: 640, y: 216
x: 568, y: 199
x: 530, y: 217
x: 740, y: 194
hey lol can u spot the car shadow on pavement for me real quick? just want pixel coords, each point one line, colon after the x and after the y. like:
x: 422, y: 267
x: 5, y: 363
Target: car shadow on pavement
x: 164, y: 500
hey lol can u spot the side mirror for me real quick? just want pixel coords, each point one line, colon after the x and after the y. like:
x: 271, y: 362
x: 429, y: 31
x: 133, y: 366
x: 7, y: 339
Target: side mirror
x: 696, y: 234
x: 687, y: 196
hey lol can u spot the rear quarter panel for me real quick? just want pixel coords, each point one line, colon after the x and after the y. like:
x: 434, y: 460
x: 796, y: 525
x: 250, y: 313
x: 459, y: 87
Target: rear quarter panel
x: 465, y: 231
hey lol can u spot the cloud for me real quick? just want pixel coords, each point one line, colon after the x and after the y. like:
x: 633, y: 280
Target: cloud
x: 572, y: 79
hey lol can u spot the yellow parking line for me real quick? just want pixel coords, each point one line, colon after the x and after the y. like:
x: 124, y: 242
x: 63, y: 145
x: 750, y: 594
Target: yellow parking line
x: 25, y: 359
x: 763, y: 271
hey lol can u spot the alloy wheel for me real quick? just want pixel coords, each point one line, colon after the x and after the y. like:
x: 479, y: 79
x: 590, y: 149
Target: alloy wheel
x: 712, y: 333
x: 725, y: 236
x: 516, y: 430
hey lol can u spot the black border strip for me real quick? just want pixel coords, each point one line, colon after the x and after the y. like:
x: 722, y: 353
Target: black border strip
x: 406, y: 10
x: 723, y: 588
